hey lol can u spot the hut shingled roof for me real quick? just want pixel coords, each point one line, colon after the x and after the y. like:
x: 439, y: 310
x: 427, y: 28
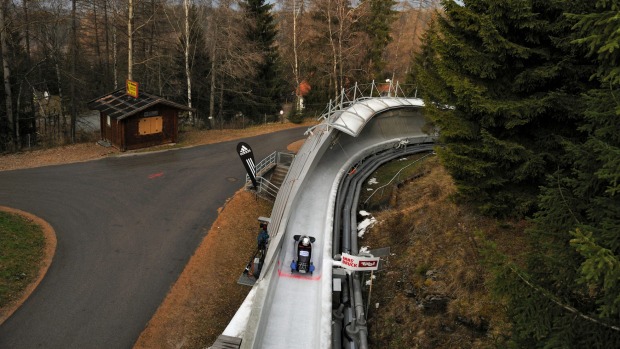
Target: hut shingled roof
x: 118, y: 105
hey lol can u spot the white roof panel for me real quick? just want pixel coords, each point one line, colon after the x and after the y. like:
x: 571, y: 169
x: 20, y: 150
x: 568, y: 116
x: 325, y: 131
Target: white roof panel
x: 352, y: 119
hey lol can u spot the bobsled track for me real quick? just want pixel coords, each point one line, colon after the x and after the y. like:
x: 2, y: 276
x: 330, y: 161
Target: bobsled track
x: 291, y: 310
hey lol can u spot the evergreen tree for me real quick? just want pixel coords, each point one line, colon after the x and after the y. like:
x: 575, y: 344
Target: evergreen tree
x: 377, y: 25
x: 267, y: 88
x: 500, y: 79
x: 569, y: 294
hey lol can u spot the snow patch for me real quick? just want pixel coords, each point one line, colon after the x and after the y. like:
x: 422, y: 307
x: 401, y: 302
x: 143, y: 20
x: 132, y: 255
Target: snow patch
x: 369, y: 282
x: 364, y: 225
x: 239, y: 322
x: 372, y: 181
x: 364, y: 249
x: 364, y: 213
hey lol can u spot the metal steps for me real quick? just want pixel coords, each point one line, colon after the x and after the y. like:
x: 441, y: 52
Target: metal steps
x: 271, y: 173
x: 278, y: 175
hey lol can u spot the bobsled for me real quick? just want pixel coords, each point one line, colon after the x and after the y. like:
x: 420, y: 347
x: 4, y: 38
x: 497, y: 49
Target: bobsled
x: 303, y: 254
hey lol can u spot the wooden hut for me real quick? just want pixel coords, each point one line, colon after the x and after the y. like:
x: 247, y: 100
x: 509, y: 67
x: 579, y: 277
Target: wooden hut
x: 137, y: 122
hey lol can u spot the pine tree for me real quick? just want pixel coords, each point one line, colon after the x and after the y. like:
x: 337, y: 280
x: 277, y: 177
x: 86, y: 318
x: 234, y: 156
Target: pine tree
x: 377, y: 24
x: 268, y: 86
x: 569, y: 293
x: 500, y: 79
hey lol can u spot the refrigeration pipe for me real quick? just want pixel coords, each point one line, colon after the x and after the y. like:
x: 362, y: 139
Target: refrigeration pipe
x: 345, y: 229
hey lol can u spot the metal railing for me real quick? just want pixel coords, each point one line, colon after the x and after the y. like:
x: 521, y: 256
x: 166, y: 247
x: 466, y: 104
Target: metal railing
x: 264, y: 185
x: 358, y: 92
x: 267, y: 188
x: 264, y: 165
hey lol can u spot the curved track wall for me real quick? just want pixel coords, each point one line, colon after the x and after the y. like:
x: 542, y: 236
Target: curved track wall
x: 293, y: 311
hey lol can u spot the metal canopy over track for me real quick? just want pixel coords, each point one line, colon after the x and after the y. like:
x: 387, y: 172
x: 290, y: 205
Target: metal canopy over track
x: 353, y: 119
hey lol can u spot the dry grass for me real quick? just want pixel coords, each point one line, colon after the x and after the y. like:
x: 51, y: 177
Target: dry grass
x: 89, y: 151
x: 433, y: 293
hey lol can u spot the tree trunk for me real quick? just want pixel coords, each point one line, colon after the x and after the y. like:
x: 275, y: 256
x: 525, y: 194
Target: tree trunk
x: 60, y: 107
x: 212, y: 95
x: 106, y: 25
x: 29, y: 91
x: 334, y: 78
x: 115, y: 56
x: 296, y: 68
x: 188, y: 74
x: 130, y: 41
x: 221, y: 107
x: 74, y: 52
x: 27, y: 30
x: 97, y: 45
x: 343, y: 15
x: 7, y: 71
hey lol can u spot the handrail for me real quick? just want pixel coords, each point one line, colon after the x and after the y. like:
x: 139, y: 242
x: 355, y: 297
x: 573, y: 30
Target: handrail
x: 269, y: 160
x: 273, y: 159
x: 264, y: 185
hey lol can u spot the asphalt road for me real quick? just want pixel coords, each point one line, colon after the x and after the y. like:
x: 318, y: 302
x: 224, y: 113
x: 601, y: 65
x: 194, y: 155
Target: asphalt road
x: 126, y: 227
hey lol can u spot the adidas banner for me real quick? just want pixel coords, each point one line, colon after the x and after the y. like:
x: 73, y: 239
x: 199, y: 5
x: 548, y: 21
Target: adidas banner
x: 247, y: 157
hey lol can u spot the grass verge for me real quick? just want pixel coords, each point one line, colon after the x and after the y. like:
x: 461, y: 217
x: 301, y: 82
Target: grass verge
x: 382, y: 185
x: 22, y: 245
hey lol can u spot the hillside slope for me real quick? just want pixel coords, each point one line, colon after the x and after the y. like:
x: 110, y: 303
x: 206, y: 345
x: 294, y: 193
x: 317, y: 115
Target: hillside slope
x: 433, y: 290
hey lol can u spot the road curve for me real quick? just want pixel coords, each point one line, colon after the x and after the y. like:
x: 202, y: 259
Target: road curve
x: 126, y: 226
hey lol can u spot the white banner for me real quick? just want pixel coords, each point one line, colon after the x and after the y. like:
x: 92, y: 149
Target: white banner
x: 359, y: 263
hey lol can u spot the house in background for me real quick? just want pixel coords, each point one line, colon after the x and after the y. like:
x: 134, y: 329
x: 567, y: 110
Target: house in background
x: 131, y: 123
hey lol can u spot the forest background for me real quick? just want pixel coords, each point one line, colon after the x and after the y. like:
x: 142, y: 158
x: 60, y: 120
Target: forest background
x: 228, y: 59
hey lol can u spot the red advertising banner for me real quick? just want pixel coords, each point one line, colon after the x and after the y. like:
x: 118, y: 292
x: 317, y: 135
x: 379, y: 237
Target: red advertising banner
x: 359, y: 263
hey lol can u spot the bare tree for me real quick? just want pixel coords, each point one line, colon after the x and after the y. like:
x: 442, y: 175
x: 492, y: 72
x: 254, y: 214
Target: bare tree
x: 74, y: 52
x: 6, y: 69
x: 297, y: 10
x: 186, y: 54
x: 293, y: 39
x: 130, y: 33
x: 234, y: 59
x: 337, y: 21
x: 413, y: 20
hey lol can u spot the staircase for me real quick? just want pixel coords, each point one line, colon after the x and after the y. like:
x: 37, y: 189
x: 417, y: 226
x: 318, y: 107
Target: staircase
x: 278, y: 174
x: 271, y: 172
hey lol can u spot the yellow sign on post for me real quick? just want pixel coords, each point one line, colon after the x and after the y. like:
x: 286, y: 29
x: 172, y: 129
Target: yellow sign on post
x: 132, y: 88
